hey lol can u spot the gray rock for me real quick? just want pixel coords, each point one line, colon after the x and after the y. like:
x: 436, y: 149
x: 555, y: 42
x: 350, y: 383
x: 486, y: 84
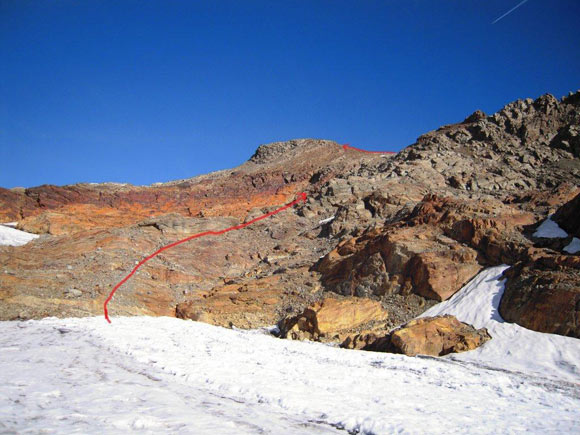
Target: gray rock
x: 73, y: 293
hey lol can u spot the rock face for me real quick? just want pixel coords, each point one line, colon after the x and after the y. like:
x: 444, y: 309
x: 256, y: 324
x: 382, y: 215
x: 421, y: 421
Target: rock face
x: 400, y: 232
x: 543, y: 299
x: 242, y: 304
x: 432, y: 251
x: 330, y: 318
x: 397, y: 261
x: 568, y: 216
x: 543, y: 288
x: 435, y: 336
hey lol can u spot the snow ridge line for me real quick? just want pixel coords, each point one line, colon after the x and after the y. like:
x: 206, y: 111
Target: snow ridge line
x: 301, y: 197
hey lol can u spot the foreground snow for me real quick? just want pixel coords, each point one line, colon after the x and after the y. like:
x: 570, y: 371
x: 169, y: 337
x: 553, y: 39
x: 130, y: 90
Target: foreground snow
x: 13, y: 237
x: 168, y: 375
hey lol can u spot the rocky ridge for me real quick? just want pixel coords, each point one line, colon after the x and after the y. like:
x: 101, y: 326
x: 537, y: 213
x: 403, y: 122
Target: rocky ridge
x: 401, y: 231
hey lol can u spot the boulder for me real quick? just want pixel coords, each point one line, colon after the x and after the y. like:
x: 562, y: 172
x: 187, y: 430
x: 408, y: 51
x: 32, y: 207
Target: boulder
x: 544, y: 295
x: 437, y: 336
x: 329, y: 318
x: 438, y: 275
x: 370, y: 341
x: 73, y: 293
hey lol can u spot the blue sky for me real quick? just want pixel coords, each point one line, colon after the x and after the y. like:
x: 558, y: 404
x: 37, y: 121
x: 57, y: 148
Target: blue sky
x: 146, y: 91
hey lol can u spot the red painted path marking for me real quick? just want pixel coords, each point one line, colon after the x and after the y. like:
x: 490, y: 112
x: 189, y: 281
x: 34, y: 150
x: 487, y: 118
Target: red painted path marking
x: 347, y: 147
x: 301, y: 197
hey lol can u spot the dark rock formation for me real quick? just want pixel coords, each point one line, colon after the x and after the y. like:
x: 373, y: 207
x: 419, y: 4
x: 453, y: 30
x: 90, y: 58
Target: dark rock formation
x: 543, y: 288
x: 568, y: 217
x: 544, y: 295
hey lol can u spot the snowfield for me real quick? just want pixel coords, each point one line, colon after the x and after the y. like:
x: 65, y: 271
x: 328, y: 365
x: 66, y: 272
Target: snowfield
x: 154, y: 375
x: 12, y: 237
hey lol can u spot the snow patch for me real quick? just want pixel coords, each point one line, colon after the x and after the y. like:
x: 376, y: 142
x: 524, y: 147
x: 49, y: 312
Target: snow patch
x: 327, y: 220
x: 550, y: 230
x: 14, y: 237
x: 512, y: 347
x: 573, y: 247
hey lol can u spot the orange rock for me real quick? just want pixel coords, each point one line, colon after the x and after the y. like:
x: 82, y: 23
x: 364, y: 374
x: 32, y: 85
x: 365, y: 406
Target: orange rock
x: 330, y: 317
x: 438, y: 275
x: 259, y: 182
x: 242, y: 305
x: 428, y: 249
x: 437, y: 336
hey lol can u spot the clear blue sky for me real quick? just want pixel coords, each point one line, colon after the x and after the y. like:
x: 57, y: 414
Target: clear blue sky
x: 146, y: 91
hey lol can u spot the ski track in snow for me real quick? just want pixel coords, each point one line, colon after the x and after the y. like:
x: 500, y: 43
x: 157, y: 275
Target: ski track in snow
x: 153, y: 375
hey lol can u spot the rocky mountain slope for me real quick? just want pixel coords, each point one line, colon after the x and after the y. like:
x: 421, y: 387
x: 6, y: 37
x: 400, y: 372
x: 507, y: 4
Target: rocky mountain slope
x: 404, y: 231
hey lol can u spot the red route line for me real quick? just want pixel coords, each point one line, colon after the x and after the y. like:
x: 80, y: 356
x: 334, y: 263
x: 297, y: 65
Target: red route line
x: 347, y: 147
x: 301, y: 197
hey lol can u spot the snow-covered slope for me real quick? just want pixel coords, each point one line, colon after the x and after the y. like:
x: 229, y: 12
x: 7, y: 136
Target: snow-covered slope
x: 168, y: 375
x: 13, y: 237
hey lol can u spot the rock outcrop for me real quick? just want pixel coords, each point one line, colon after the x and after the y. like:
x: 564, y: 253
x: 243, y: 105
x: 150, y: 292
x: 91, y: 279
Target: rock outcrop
x: 543, y: 288
x: 330, y: 318
x: 432, y: 251
x: 568, y: 216
x: 435, y: 336
x: 544, y: 295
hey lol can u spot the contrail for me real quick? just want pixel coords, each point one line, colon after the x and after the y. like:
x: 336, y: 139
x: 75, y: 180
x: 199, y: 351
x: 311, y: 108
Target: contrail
x: 510, y: 11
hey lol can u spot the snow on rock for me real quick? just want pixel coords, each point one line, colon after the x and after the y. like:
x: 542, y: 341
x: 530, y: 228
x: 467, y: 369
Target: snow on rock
x: 512, y: 347
x: 168, y: 375
x: 13, y: 237
x: 550, y: 229
x: 573, y: 247
x: 327, y: 220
